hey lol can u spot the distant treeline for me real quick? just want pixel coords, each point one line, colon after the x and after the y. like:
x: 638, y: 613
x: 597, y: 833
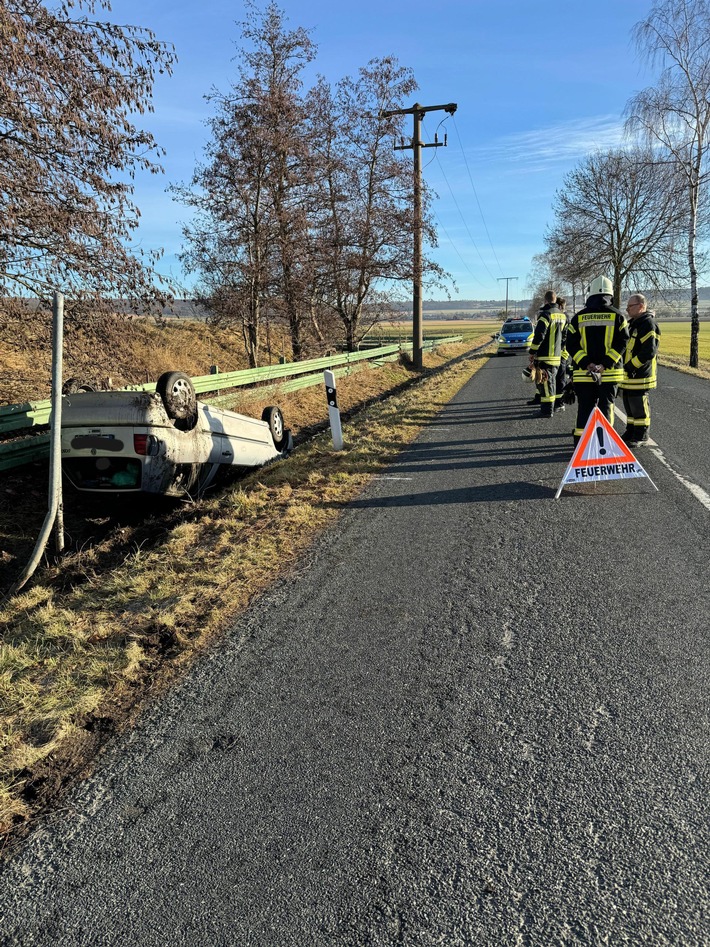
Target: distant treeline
x: 463, y: 305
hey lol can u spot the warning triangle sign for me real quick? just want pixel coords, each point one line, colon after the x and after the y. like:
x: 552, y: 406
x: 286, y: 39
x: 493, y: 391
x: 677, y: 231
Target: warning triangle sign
x: 601, y: 455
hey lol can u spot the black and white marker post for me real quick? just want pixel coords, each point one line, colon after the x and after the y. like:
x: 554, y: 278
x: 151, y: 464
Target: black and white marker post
x: 333, y: 410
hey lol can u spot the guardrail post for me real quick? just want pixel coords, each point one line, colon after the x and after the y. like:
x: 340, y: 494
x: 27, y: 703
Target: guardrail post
x: 333, y: 410
x: 214, y: 370
x: 55, y: 512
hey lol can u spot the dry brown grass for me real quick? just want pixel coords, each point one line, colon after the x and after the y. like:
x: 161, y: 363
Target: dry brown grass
x: 127, y: 351
x: 70, y: 658
x: 681, y: 364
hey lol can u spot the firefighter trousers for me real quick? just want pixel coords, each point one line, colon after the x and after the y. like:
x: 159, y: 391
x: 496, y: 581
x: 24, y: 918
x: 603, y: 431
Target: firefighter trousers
x: 547, y: 390
x: 589, y: 394
x: 638, y: 412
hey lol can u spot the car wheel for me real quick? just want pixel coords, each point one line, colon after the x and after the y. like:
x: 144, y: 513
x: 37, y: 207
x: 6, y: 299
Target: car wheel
x: 72, y: 385
x: 178, y: 394
x: 275, y: 419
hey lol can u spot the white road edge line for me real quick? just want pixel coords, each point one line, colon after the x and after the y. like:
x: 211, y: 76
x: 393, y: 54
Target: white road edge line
x: 385, y: 477
x: 697, y: 491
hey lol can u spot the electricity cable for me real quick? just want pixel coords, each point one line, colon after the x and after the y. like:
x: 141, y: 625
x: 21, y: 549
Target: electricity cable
x: 453, y: 197
x: 475, y: 194
x: 442, y: 227
x: 458, y: 254
x: 470, y: 235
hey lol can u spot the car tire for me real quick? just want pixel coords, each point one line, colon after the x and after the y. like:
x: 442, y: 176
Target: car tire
x: 74, y: 385
x: 178, y: 395
x: 275, y: 419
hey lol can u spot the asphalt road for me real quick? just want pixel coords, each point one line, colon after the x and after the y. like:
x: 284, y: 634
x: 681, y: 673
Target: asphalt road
x: 476, y: 716
x: 680, y: 423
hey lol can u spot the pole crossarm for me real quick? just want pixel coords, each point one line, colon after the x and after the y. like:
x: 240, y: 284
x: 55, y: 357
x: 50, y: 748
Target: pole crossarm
x: 421, y: 109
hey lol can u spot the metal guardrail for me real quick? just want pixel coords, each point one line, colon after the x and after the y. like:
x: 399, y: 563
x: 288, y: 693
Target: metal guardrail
x: 16, y: 417
x: 17, y: 453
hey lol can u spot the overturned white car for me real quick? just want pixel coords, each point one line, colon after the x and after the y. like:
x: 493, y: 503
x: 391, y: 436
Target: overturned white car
x: 163, y: 442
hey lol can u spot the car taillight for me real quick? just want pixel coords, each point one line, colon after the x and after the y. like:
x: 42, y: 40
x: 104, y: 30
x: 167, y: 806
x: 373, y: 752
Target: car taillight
x: 146, y: 444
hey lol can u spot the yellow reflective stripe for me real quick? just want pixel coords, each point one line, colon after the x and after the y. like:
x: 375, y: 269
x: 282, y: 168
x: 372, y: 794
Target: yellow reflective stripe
x: 608, y: 375
x: 638, y: 384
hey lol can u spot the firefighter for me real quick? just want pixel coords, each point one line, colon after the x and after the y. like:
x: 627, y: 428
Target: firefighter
x: 564, y: 360
x: 596, y: 341
x: 545, y: 350
x: 639, y: 369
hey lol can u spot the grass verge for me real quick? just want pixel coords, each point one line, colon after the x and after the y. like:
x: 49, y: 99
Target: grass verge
x: 680, y: 363
x: 76, y: 663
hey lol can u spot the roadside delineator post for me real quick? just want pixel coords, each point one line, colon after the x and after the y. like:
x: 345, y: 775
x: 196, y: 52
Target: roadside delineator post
x: 333, y: 410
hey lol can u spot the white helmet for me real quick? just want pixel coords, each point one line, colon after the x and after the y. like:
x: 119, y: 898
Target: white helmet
x: 601, y: 284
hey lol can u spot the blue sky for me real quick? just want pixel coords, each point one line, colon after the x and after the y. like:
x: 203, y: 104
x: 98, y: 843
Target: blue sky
x: 538, y: 85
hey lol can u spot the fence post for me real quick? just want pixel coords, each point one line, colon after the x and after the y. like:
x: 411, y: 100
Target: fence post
x: 333, y: 410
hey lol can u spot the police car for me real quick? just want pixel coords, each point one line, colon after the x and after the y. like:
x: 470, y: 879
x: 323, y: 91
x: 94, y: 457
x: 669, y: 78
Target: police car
x: 515, y: 336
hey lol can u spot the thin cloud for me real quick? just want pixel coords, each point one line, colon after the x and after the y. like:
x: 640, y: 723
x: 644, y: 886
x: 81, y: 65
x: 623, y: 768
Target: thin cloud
x: 555, y: 144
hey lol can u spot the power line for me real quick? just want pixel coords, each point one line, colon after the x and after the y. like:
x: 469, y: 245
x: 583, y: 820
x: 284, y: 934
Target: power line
x: 475, y: 194
x: 456, y: 251
x: 470, y: 235
x: 440, y: 224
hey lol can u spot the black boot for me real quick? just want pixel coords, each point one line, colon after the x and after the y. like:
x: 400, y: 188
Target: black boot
x: 535, y: 400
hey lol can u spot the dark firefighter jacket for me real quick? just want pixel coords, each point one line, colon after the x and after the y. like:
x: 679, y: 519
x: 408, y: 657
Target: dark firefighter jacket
x: 546, y: 345
x: 597, y: 335
x: 640, y: 355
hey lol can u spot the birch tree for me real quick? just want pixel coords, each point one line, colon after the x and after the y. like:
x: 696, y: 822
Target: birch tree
x: 674, y: 114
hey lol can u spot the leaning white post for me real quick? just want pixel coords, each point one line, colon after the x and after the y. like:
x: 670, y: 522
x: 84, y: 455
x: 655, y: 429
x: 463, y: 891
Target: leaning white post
x: 333, y: 410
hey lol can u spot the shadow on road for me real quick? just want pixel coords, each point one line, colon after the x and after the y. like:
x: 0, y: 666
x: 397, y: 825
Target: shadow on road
x: 485, y: 493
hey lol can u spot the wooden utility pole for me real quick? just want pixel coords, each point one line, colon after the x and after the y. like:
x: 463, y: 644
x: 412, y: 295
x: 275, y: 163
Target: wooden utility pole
x: 417, y: 144
x: 507, y: 280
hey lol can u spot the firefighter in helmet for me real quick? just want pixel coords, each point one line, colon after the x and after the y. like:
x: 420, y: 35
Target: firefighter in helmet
x: 596, y: 341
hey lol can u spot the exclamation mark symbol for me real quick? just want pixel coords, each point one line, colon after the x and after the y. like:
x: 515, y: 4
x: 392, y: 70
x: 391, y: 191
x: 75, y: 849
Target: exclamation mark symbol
x: 600, y: 438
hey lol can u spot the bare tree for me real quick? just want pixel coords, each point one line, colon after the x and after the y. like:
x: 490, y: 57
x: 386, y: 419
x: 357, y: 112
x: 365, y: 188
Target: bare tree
x: 250, y: 240
x: 675, y: 113
x: 303, y: 206
x: 70, y: 85
x: 618, y: 213
x: 273, y: 88
x: 365, y: 193
x: 230, y: 242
